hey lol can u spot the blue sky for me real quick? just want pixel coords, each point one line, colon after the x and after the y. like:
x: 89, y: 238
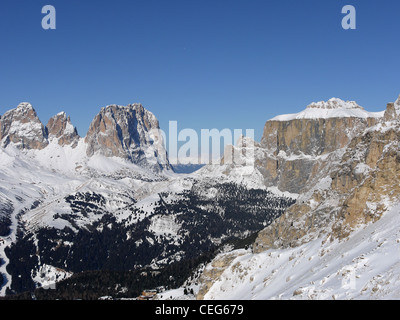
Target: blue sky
x: 206, y: 64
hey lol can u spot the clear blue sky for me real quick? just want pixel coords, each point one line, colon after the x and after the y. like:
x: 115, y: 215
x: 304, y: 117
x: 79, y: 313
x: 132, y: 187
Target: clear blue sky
x: 204, y: 63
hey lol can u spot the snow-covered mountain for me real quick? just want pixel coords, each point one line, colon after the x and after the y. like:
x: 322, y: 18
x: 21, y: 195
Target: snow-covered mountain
x: 130, y: 132
x: 43, y: 167
x: 22, y: 127
x: 114, y: 192
x: 340, y: 240
x: 60, y: 127
x: 315, y: 203
x: 297, y: 150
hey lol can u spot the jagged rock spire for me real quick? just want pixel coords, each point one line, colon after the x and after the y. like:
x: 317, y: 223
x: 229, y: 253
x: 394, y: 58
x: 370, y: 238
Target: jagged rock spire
x: 392, y: 110
x: 60, y: 127
x: 22, y: 127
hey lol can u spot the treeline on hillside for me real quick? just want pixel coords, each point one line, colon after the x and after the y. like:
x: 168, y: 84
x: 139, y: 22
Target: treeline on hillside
x: 94, y: 284
x: 6, y: 210
x: 232, y: 213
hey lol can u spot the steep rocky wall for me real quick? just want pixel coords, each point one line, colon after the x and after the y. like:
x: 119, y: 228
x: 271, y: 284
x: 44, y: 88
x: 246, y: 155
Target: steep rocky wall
x: 22, y: 127
x: 60, y: 127
x: 130, y: 132
x: 357, y: 190
x: 298, y: 150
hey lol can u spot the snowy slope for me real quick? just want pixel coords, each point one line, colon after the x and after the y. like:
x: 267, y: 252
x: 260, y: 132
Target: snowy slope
x: 364, y: 266
x: 35, y: 183
x: 61, y: 187
x: 49, y: 175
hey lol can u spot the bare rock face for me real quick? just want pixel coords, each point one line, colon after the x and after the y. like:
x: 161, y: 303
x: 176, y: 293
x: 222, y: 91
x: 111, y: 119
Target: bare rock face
x: 355, y: 190
x: 349, y: 172
x: 130, y: 132
x: 392, y: 110
x: 300, y: 146
x: 60, y: 128
x: 22, y: 127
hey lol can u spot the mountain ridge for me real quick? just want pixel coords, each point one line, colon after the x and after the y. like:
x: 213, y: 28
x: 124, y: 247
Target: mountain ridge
x: 355, y: 194
x: 308, y: 182
x: 129, y: 132
x: 333, y: 108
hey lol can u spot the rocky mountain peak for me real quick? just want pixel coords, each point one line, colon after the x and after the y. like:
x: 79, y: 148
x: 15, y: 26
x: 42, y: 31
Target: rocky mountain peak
x: 22, y: 127
x: 300, y: 145
x: 334, y: 103
x: 333, y: 108
x: 60, y: 127
x: 129, y: 132
x: 392, y: 110
x: 24, y: 106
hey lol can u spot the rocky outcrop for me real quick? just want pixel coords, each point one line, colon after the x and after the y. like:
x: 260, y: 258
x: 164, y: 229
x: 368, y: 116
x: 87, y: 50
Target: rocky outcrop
x: 130, y: 132
x: 59, y: 127
x: 356, y: 190
x: 22, y: 127
x: 392, y: 110
x: 213, y: 272
x: 300, y: 146
x: 297, y: 150
x: 349, y: 172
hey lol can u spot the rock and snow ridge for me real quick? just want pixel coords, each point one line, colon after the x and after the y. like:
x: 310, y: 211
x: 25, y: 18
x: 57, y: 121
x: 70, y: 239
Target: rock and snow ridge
x: 130, y: 132
x: 393, y: 110
x: 60, y: 127
x: 127, y: 132
x: 339, y: 241
x: 22, y: 127
x: 41, y: 165
x: 333, y: 108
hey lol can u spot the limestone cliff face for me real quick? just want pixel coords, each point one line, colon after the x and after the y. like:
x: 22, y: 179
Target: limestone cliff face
x: 356, y: 190
x: 392, y: 110
x: 300, y: 146
x: 22, y: 127
x: 130, y: 132
x: 349, y: 172
x: 60, y: 128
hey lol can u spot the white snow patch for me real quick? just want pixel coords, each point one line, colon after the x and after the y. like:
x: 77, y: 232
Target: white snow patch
x: 47, y: 276
x: 164, y: 225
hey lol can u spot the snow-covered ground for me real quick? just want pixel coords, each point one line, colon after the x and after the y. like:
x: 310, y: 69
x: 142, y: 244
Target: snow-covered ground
x: 47, y: 276
x: 364, y: 266
x: 35, y: 183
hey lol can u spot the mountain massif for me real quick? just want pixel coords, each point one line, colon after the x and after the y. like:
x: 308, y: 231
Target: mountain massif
x: 310, y: 211
x: 340, y: 240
